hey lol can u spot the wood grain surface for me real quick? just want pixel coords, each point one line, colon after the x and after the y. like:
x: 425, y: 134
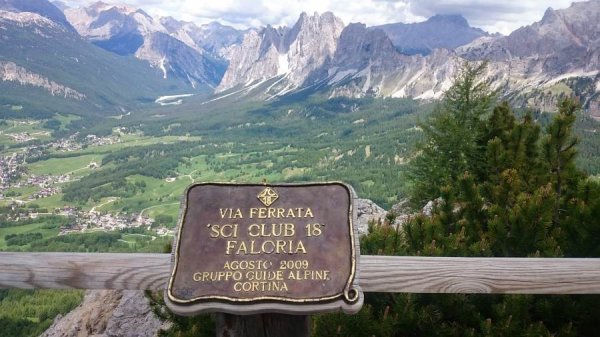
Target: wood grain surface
x: 377, y: 273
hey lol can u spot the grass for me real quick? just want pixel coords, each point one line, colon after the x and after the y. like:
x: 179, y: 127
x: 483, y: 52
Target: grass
x: 559, y: 88
x: 31, y: 228
x: 77, y: 166
x: 235, y: 171
x: 24, y: 192
x: 167, y: 209
x: 65, y: 119
x: 157, y: 194
x: 130, y: 140
x: 30, y: 312
x: 51, y: 203
x: 134, y: 239
x: 33, y: 128
x: 163, y: 196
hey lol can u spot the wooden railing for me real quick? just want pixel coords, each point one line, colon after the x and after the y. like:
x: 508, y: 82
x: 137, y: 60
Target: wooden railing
x: 377, y: 273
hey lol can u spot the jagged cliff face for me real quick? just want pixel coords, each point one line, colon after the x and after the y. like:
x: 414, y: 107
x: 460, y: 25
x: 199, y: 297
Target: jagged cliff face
x: 439, y: 31
x: 353, y: 61
x: 534, y: 63
x: 559, y: 55
x: 250, y: 61
x: 213, y: 37
x: 41, y: 7
x: 46, y: 64
x: 293, y: 54
x: 130, y: 31
x: 367, y: 64
x: 563, y: 40
x: 527, y: 65
x: 313, y: 41
x: 11, y: 72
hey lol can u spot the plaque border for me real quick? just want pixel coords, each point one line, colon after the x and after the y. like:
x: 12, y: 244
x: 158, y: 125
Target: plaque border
x: 344, y: 295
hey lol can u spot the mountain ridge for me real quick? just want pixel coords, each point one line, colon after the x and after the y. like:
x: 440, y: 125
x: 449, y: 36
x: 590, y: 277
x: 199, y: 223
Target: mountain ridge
x: 127, y: 30
x: 54, y: 69
x: 41, y: 7
x: 533, y: 65
x: 439, y: 31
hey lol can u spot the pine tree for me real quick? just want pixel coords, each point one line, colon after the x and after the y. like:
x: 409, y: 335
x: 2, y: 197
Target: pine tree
x: 451, y: 143
x: 512, y: 190
x: 560, y: 152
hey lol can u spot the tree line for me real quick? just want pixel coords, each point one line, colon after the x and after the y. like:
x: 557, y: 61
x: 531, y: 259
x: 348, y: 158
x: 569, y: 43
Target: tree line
x: 502, y: 186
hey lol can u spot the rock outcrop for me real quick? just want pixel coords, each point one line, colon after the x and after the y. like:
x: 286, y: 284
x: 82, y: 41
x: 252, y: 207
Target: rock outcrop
x: 290, y: 53
x: 41, y: 7
x: 212, y: 37
x: 556, y: 56
x: 171, y: 48
x: 107, y: 313
x: 439, y: 31
x: 9, y: 71
x: 367, y: 64
x: 367, y: 211
x: 353, y: 61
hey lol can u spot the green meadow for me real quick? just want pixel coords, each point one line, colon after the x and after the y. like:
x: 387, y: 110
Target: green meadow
x: 47, y: 230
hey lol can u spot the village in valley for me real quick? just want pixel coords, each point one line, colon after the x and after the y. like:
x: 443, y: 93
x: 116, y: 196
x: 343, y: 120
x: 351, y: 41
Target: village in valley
x: 15, y: 175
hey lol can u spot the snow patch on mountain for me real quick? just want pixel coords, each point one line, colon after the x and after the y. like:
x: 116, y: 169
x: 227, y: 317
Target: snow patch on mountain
x: 171, y: 99
x: 579, y: 73
x: 245, y: 90
x: 297, y: 52
x: 430, y: 94
x: 161, y: 65
x: 339, y: 76
x: 283, y: 64
x: 400, y: 93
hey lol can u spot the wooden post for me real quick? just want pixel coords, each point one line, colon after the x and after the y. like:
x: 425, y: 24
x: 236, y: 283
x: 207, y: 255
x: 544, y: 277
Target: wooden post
x: 263, y: 325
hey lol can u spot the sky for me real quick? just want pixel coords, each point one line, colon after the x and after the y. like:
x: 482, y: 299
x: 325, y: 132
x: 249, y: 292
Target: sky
x: 494, y: 16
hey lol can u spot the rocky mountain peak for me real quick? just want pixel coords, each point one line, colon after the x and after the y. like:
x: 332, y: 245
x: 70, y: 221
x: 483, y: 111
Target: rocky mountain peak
x: 312, y: 42
x: 294, y: 53
x: 171, y: 24
x: 41, y: 7
x: 60, y: 5
x: 454, y: 19
x: 359, y: 46
x: 569, y: 35
x: 439, y: 31
x: 325, y: 20
x: 549, y: 16
x: 99, y: 5
x: 212, y: 37
x: 273, y: 37
x: 168, y: 45
x: 316, y: 18
x: 400, y: 60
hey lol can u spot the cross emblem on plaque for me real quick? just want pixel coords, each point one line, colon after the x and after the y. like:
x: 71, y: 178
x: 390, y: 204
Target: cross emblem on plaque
x: 267, y: 196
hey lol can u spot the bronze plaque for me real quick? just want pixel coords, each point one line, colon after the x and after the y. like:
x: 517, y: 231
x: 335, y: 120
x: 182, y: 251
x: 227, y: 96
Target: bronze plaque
x: 260, y: 243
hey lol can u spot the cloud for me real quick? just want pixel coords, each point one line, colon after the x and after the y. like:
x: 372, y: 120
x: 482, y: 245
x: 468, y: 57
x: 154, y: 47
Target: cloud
x: 492, y: 15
